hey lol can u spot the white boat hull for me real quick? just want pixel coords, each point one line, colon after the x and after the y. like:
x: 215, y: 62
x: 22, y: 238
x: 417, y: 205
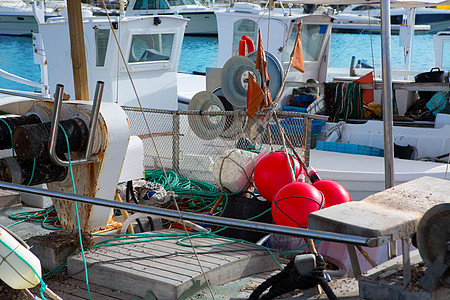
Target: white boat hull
x: 17, y: 25
x: 364, y: 175
x: 201, y: 23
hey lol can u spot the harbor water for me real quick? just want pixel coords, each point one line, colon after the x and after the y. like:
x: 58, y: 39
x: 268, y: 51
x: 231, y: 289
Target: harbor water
x: 198, y: 53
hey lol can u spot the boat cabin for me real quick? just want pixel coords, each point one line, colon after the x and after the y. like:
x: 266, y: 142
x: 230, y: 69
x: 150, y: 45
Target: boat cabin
x: 150, y: 46
x: 146, y: 7
x: 279, y: 31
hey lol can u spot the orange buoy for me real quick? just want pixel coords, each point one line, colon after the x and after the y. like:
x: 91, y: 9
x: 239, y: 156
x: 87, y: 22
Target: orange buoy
x: 246, y: 41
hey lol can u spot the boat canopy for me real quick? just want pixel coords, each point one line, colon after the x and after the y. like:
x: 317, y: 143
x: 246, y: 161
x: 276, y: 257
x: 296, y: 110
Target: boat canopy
x: 394, y: 3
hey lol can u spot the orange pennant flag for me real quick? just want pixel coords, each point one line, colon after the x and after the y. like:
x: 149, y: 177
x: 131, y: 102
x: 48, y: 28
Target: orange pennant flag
x: 368, y: 95
x: 255, y: 97
x: 297, y: 52
x: 261, y: 57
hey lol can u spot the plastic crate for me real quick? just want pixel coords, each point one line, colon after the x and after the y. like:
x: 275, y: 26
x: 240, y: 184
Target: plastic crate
x: 349, y: 148
x: 295, y: 126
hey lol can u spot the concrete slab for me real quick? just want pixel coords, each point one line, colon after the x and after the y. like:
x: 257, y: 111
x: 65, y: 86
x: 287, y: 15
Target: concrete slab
x: 24, y: 230
x: 167, y: 269
x: 9, y: 199
x: 394, y: 212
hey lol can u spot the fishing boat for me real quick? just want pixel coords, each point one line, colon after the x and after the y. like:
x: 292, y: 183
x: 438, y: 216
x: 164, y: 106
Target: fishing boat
x: 17, y: 18
x: 202, y: 20
x: 438, y: 19
x: 247, y: 19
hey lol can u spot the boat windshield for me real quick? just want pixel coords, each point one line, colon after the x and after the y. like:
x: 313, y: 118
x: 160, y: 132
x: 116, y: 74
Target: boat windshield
x: 150, y: 4
x: 101, y: 43
x: 151, y: 47
x: 313, y: 36
x: 181, y: 2
x: 244, y: 27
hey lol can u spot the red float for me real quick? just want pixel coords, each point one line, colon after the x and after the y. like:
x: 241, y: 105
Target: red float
x: 294, y: 202
x: 272, y: 173
x: 333, y: 192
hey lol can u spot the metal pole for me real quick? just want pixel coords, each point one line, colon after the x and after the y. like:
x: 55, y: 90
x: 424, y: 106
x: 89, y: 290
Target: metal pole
x: 94, y: 117
x: 235, y: 223
x: 387, y: 93
x: 25, y: 95
x: 176, y: 142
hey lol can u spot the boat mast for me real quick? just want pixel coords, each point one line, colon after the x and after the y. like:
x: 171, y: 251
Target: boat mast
x: 385, y: 7
x: 77, y: 50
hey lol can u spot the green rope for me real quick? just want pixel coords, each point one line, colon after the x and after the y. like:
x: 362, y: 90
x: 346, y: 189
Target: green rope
x: 32, y: 173
x: 76, y: 213
x: 41, y: 216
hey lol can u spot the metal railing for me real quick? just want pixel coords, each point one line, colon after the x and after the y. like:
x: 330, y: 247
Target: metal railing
x: 202, y: 218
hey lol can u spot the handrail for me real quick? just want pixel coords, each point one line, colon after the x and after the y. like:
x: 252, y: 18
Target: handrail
x: 88, y: 158
x: 21, y: 80
x: 24, y: 94
x: 202, y: 218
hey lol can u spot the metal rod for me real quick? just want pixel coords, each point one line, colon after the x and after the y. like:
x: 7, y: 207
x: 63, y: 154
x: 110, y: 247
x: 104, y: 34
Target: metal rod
x: 55, y: 123
x: 242, y: 224
x: 25, y: 95
x: 94, y: 117
x: 176, y: 142
x: 92, y: 126
x: 387, y: 93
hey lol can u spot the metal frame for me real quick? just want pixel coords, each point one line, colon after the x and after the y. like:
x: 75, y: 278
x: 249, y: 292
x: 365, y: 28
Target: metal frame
x: 235, y: 223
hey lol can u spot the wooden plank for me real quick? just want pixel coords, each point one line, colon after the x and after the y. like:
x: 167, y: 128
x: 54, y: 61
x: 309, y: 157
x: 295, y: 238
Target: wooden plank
x: 77, y: 50
x: 172, y: 276
x: 74, y: 289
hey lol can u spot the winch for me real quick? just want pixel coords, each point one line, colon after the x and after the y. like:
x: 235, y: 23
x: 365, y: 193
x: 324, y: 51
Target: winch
x: 66, y: 144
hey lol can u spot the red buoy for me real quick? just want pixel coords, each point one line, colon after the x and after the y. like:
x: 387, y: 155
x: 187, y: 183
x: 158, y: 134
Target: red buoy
x: 272, y: 173
x: 294, y: 202
x: 333, y: 192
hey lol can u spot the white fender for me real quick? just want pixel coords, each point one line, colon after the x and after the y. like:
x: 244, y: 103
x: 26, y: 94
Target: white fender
x: 14, y: 271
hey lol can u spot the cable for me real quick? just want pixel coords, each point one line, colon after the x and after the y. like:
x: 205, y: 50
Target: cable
x: 76, y: 212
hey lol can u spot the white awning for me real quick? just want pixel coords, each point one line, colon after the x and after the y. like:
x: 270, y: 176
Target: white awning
x: 394, y: 3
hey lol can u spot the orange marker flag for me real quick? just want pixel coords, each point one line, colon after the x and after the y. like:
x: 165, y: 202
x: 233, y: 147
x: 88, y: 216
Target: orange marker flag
x: 261, y: 57
x: 368, y: 95
x: 297, y: 52
x: 255, y: 97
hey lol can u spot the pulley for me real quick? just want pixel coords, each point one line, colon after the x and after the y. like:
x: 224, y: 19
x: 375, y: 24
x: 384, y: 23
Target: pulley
x: 206, y: 127
x: 234, y: 79
x: 275, y: 70
x: 433, y: 241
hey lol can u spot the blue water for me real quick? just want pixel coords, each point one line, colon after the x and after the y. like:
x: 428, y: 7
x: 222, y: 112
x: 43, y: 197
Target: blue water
x: 16, y: 54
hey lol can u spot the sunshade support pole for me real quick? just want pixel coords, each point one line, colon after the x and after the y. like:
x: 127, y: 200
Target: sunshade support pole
x: 387, y: 93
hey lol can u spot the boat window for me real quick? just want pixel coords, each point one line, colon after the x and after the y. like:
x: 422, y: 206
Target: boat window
x: 101, y: 43
x: 150, y: 4
x: 313, y: 36
x: 364, y: 7
x: 176, y: 2
x: 151, y: 47
x: 182, y: 2
x: 446, y: 58
x: 244, y: 27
